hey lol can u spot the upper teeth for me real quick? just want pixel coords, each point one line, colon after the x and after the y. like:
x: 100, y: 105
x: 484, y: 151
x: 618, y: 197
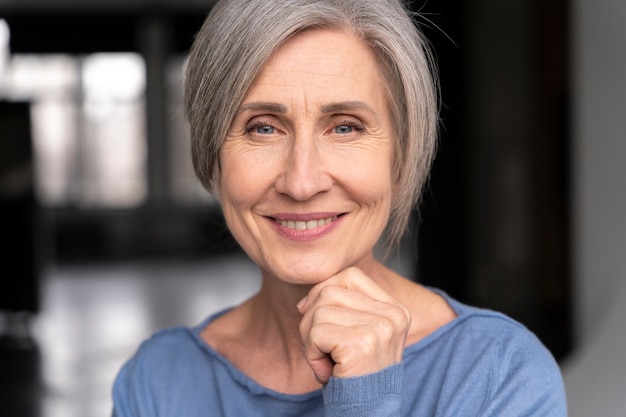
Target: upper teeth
x: 302, y: 225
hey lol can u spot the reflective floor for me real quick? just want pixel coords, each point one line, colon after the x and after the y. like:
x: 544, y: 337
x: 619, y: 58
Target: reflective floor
x: 94, y: 317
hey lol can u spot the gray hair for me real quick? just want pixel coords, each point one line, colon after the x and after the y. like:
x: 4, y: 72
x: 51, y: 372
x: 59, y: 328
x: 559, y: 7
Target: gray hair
x: 239, y: 36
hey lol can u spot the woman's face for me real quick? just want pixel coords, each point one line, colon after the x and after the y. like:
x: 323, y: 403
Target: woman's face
x: 306, y: 169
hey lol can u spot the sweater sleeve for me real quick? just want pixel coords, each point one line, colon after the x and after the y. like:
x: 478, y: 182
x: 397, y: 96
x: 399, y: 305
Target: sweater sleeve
x: 372, y: 395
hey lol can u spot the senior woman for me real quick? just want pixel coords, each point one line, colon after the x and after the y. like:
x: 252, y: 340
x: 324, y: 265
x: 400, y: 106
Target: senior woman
x: 314, y: 123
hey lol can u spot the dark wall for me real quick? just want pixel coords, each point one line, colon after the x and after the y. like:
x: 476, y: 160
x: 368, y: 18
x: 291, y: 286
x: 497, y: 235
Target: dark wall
x: 19, y: 221
x: 494, y: 222
x: 442, y: 220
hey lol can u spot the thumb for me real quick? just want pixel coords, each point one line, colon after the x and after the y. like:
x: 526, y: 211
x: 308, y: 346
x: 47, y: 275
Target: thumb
x: 322, y: 367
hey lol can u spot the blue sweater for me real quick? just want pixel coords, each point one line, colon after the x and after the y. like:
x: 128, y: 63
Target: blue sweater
x: 481, y: 364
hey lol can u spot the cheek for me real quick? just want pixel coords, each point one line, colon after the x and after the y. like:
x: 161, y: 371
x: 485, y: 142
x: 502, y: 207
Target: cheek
x: 373, y: 185
x: 245, y: 177
x: 232, y: 186
x: 370, y: 175
x: 235, y: 170
x: 237, y: 197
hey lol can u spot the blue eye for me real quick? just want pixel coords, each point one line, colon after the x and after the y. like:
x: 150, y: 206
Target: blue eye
x: 343, y: 129
x: 261, y: 129
x: 265, y: 129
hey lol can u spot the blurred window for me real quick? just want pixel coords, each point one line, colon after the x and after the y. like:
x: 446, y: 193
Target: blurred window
x: 88, y: 116
x: 184, y: 187
x: 89, y: 127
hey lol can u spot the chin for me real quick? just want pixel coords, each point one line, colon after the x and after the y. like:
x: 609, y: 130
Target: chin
x: 306, y: 277
x: 305, y: 274
x: 309, y: 273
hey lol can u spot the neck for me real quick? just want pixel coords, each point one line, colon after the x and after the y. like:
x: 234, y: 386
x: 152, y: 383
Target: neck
x: 276, y: 317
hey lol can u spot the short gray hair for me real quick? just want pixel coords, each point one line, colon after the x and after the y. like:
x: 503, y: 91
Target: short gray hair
x: 239, y: 36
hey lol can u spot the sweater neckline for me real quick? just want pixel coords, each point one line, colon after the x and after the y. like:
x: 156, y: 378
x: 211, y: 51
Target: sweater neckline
x: 462, y: 313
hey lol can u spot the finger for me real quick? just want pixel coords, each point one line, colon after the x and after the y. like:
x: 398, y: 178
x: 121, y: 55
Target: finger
x: 335, y: 350
x: 355, y: 290
x: 350, y: 308
x: 320, y: 344
x: 352, y: 279
x: 320, y: 362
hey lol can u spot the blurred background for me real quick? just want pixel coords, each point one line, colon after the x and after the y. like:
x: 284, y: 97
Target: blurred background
x: 107, y: 236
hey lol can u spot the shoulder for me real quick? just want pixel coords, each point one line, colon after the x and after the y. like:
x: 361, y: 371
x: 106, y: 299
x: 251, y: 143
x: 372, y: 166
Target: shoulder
x: 162, y: 357
x: 173, y: 349
x: 494, y: 359
x: 482, y: 329
x: 167, y: 370
x: 176, y: 342
x: 475, y: 321
x: 493, y: 336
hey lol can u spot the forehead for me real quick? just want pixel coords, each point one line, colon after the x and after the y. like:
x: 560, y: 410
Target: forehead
x: 321, y: 63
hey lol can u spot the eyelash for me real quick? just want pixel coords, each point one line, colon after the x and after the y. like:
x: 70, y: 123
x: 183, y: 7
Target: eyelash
x: 350, y: 123
x: 358, y: 127
x: 256, y: 124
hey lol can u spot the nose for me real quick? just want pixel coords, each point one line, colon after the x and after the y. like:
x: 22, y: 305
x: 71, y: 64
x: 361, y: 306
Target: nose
x: 305, y: 172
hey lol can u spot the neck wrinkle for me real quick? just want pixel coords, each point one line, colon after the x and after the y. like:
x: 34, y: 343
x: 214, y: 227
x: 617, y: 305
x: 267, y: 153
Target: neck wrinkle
x: 275, y: 318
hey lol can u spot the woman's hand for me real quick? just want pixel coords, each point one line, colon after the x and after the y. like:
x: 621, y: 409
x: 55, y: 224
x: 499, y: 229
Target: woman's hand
x: 351, y: 327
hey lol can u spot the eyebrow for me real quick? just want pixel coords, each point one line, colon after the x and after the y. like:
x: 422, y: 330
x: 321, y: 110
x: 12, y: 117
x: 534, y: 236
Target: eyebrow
x: 327, y: 108
x: 346, y: 106
x: 262, y: 106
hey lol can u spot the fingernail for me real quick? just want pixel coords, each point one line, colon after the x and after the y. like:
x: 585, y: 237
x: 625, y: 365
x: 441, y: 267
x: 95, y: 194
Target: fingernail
x: 302, y: 302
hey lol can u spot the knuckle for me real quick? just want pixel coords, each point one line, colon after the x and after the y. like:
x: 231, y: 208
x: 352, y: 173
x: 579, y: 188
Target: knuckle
x: 327, y: 294
x: 387, y: 329
x: 400, y: 315
x: 368, y: 341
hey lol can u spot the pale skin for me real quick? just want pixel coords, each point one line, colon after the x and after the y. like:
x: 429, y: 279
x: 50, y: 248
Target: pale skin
x: 306, y: 186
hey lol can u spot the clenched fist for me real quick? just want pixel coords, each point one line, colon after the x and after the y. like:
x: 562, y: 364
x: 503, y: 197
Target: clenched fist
x: 351, y: 327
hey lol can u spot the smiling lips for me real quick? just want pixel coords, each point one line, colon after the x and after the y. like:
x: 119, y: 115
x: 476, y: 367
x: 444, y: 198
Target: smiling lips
x: 305, y: 225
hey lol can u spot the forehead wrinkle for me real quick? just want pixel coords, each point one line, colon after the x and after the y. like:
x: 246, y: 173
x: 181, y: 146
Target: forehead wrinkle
x: 262, y: 106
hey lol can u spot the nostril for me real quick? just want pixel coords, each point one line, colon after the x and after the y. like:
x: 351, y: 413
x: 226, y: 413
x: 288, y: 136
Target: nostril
x: 304, y: 172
